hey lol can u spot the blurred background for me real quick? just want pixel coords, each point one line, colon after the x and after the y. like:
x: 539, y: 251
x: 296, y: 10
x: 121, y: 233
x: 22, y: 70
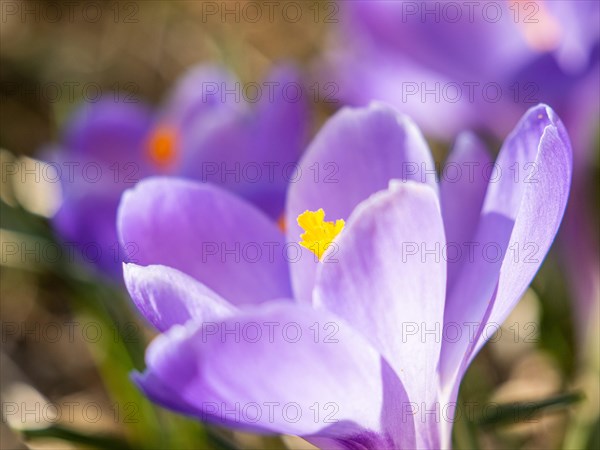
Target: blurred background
x: 70, y: 336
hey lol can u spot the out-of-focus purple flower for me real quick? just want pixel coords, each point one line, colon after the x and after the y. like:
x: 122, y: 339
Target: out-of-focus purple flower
x: 356, y: 348
x: 208, y: 130
x: 453, y: 65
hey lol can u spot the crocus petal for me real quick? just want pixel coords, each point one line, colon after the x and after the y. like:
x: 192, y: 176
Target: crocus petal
x: 198, y: 92
x: 282, y: 131
x: 466, y: 47
x: 252, y: 152
x: 537, y: 221
x: 462, y: 190
x: 281, y: 368
x: 108, y: 133
x: 86, y: 222
x: 361, y: 83
x: 386, y: 285
x: 579, y: 24
x: 520, y: 218
x: 166, y: 296
x: 354, y: 155
x: 206, y: 233
x: 159, y: 355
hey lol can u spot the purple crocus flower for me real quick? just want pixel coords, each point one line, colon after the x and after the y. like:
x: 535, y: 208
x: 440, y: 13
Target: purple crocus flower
x: 206, y: 131
x: 362, y: 345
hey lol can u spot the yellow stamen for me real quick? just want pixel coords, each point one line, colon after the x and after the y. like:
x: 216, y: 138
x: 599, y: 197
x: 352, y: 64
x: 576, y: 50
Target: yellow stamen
x: 318, y: 234
x: 162, y: 146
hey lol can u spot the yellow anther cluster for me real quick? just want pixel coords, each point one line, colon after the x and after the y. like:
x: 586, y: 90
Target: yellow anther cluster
x: 318, y: 234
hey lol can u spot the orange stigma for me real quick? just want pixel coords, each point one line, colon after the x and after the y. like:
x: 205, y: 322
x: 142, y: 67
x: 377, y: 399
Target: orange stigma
x: 162, y: 146
x: 281, y: 223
